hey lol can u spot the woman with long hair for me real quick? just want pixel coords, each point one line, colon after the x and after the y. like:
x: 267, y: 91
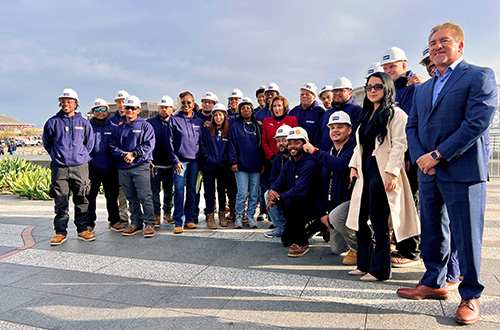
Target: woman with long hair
x: 215, y: 163
x: 382, y: 192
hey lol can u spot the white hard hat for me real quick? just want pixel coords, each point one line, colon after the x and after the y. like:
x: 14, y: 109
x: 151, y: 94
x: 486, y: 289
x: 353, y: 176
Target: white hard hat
x: 341, y: 83
x: 132, y: 101
x: 425, y: 54
x: 236, y: 94
x: 297, y: 133
x: 245, y: 100
x: 339, y: 117
x: 273, y: 87
x: 261, y: 89
x: 211, y: 97
x: 282, y: 131
x: 327, y: 88
x: 121, y: 95
x: 220, y: 107
x: 99, y: 103
x: 374, y: 67
x: 311, y: 87
x: 393, y: 54
x: 70, y: 93
x: 166, y: 101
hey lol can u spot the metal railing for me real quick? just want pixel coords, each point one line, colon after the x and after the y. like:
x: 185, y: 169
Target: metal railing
x: 494, y: 163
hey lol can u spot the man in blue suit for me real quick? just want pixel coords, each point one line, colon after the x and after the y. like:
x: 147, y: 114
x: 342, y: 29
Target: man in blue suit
x: 445, y: 129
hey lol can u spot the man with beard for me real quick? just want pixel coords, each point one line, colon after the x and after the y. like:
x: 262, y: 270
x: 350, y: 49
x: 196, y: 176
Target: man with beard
x: 162, y: 165
x: 326, y: 96
x: 296, y: 191
x: 342, y: 101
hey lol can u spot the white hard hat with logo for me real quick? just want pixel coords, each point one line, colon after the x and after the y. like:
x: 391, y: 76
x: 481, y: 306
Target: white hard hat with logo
x: 374, y: 67
x: 236, y: 94
x: 219, y: 107
x: 282, y: 131
x: 166, y: 101
x: 311, y: 87
x: 211, y: 97
x: 341, y: 83
x: 327, y: 88
x: 99, y: 103
x: 297, y: 133
x: 339, y: 117
x: 425, y: 55
x: 261, y: 89
x: 273, y: 87
x: 132, y: 101
x: 393, y: 54
x: 121, y: 95
x: 69, y: 93
x: 245, y: 100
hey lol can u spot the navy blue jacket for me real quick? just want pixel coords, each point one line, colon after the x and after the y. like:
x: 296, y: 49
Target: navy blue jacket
x: 214, y: 151
x: 264, y: 113
x: 335, y: 174
x: 204, y: 118
x: 101, y: 157
x: 277, y: 167
x: 138, y: 137
x: 404, y: 94
x: 244, y: 149
x: 162, y: 153
x: 323, y: 140
x: 118, y: 118
x: 185, y: 137
x: 68, y: 140
x: 309, y: 118
x: 232, y: 117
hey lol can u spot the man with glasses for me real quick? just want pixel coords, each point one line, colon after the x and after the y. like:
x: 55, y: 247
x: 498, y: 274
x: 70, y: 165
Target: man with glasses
x: 342, y: 100
x: 207, y: 104
x: 132, y: 146
x: 68, y: 139
x: 102, y: 168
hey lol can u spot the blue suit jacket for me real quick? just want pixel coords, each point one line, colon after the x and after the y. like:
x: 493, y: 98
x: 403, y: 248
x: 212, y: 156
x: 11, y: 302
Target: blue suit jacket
x: 455, y: 124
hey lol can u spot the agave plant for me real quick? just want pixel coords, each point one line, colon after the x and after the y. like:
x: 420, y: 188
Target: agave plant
x: 24, y: 178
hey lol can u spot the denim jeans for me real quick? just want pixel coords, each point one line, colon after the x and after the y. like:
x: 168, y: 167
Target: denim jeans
x: 136, y: 185
x: 341, y: 237
x: 247, y: 183
x: 184, y: 207
x: 163, y: 177
x: 276, y: 215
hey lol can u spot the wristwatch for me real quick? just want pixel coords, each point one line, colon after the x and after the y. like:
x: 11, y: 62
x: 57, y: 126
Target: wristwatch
x: 435, y: 155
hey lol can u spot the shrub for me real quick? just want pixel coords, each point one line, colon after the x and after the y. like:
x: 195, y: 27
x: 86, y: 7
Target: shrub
x: 24, y: 178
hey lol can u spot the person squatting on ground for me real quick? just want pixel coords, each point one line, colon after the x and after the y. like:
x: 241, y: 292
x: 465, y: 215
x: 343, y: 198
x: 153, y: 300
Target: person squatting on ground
x: 297, y: 192
x: 68, y: 139
x: 102, y: 168
x: 382, y: 191
x: 132, y: 147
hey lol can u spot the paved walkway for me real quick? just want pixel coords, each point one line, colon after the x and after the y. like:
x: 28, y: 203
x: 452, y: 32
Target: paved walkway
x: 205, y: 279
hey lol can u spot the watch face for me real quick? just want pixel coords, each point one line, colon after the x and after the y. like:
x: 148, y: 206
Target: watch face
x: 434, y: 155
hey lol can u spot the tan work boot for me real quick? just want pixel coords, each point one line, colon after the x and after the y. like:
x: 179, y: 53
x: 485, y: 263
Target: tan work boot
x: 167, y: 218
x: 351, y: 258
x: 222, y: 219
x: 211, y: 221
x: 157, y: 221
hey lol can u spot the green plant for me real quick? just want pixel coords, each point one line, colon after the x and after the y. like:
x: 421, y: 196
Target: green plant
x: 24, y: 178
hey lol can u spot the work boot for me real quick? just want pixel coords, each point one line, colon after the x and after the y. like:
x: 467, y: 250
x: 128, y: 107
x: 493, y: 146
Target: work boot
x: 231, y: 216
x: 167, y: 218
x: 211, y: 221
x: 157, y: 221
x: 222, y: 219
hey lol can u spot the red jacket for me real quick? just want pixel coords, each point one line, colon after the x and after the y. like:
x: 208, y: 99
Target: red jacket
x: 269, y: 128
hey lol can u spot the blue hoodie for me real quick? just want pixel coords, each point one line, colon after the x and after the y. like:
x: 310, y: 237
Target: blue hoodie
x: 404, y: 94
x: 277, y: 167
x: 101, y: 157
x: 232, y: 117
x: 323, y: 140
x: 214, y: 151
x: 204, y: 118
x: 118, y: 118
x: 244, y: 149
x: 263, y: 114
x: 162, y: 153
x: 68, y: 140
x: 335, y: 174
x: 138, y: 137
x: 309, y: 118
x: 185, y: 137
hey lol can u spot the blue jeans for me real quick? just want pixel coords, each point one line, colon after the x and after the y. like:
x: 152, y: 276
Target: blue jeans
x: 247, y: 183
x: 184, y: 208
x: 136, y: 185
x: 276, y: 215
x: 163, y: 176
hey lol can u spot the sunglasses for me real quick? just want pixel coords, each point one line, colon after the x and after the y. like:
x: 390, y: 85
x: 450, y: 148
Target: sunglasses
x: 131, y: 108
x: 377, y: 87
x: 97, y: 110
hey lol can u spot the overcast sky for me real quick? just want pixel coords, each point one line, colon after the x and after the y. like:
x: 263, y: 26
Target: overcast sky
x: 152, y: 48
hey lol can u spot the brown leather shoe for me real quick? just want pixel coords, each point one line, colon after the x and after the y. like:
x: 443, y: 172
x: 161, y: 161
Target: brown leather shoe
x: 117, y: 226
x: 131, y: 230
x: 423, y: 292
x: 297, y: 250
x: 468, y: 311
x: 222, y: 219
x: 351, y: 258
x: 167, y: 218
x: 157, y: 221
x: 211, y: 221
x: 86, y: 236
x: 190, y: 225
x: 58, y: 239
x: 149, y: 231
